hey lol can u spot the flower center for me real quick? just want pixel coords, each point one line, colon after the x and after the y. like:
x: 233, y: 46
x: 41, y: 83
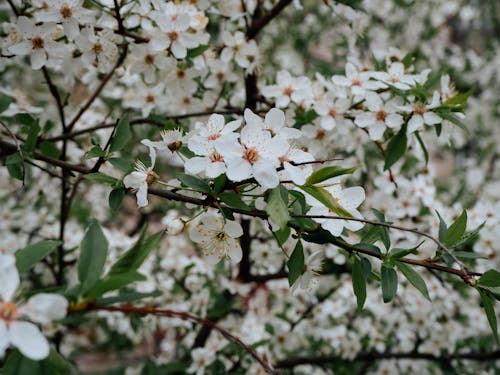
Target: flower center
x: 97, y: 48
x: 66, y: 11
x: 181, y: 74
x: 8, y: 311
x: 37, y: 42
x: 216, y: 157
x: 151, y: 177
x: 356, y: 82
x: 287, y: 91
x: 381, y: 115
x: 220, y: 76
x: 173, y: 36
x: 419, y: 109
x: 150, y: 98
x: 149, y: 59
x: 221, y: 236
x: 186, y: 100
x: 320, y: 134
x: 213, y: 137
x: 251, y: 155
x: 175, y: 146
x: 332, y: 112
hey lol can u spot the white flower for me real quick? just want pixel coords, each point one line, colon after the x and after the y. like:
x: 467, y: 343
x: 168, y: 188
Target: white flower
x: 358, y: 81
x: 41, y: 308
x: 149, y: 62
x: 395, y: 76
x: 202, y: 143
x: 245, y: 53
x: 217, y: 238
x: 380, y: 116
x: 308, y: 281
x: 202, y: 357
x: 289, y: 89
x: 256, y: 156
x: 38, y: 42
x: 68, y: 12
x: 349, y: 199
x: 274, y: 123
x: 97, y: 49
x: 331, y: 110
x: 141, y: 178
x: 421, y: 114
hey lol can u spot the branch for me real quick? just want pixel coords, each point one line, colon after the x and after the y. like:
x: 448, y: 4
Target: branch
x: 127, y: 309
x: 372, y: 356
x: 259, y: 23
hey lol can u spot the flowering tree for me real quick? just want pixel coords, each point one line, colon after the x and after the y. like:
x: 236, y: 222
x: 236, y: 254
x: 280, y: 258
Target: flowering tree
x: 248, y: 187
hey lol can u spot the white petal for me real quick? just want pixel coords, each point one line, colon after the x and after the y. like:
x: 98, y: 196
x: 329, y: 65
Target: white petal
x: 233, y: 229
x: 213, y: 170
x: 239, y: 170
x: 236, y: 254
x: 142, y: 195
x: 4, y: 338
x: 29, y: 340
x: 45, y: 307
x: 266, y: 175
x: 394, y: 120
x: 352, y: 197
x: 22, y: 48
x: 252, y: 119
x: 415, y: 123
x: 376, y: 131
x: 275, y: 119
x: 431, y: 118
x: 365, y: 119
x: 194, y: 165
x: 38, y: 59
x: 9, y: 277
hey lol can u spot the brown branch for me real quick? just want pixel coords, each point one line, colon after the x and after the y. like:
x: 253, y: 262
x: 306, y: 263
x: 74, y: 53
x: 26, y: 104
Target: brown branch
x: 171, y: 195
x: 127, y: 309
x: 57, y: 97
x: 373, y: 356
x: 139, y: 121
x: 259, y: 23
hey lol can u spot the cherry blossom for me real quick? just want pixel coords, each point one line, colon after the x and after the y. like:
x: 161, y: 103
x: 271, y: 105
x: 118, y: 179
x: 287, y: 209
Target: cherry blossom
x: 41, y: 308
x: 216, y: 237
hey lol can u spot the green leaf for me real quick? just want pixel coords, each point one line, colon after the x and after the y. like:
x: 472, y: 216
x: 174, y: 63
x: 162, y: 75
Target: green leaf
x: 446, y: 115
x: 102, y: 178
x: 489, y: 308
x: 93, y: 252
x: 30, y: 143
x: 456, y: 230
x: 414, y: 278
x: 422, y: 146
x: 49, y: 149
x: 196, y: 51
x: 282, y: 235
x: 395, y: 148
x: 115, y: 199
x: 219, y: 183
x: 114, y: 282
x: 5, y: 102
x: 326, y: 173
x: 490, y: 278
x: 277, y: 207
x: 389, y: 283
x: 459, y: 101
x: 34, y: 253
x: 468, y: 255
x: 95, y: 152
x: 54, y: 364
x: 400, y: 253
x: 126, y: 297
x: 15, y: 165
x: 136, y: 255
x: 322, y: 195
x: 122, y: 134
x: 296, y: 264
x: 233, y: 200
x: 443, y: 228
x: 122, y: 164
x: 304, y: 117
x: 194, y: 183
x: 358, y: 283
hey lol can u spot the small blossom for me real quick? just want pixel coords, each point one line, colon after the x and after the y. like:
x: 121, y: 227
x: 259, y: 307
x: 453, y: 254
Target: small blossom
x: 141, y: 178
x: 217, y: 238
